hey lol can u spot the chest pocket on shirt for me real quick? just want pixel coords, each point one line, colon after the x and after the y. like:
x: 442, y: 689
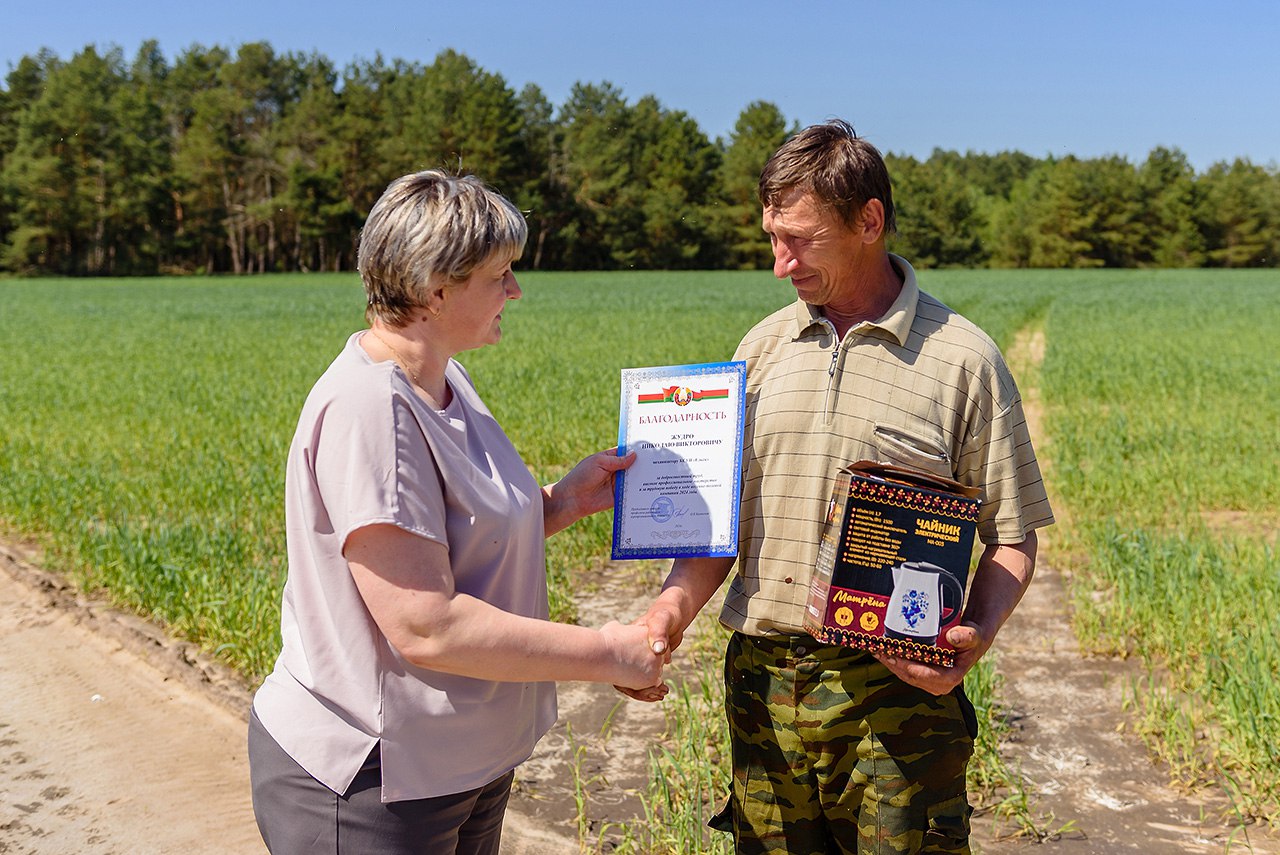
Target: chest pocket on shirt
x: 909, y: 448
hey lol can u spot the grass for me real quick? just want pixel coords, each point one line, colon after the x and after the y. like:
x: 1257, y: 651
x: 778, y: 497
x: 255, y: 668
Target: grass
x: 1165, y: 424
x: 145, y: 433
x: 147, y: 422
x: 155, y: 416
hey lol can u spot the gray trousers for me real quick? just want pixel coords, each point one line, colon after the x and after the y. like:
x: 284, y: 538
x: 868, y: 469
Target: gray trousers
x: 297, y: 815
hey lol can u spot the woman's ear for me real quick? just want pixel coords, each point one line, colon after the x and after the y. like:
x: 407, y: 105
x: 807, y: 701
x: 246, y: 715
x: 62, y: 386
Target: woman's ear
x: 434, y: 300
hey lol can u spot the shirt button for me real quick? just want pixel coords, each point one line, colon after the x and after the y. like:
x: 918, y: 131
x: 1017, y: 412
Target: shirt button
x: 788, y: 580
x: 801, y: 651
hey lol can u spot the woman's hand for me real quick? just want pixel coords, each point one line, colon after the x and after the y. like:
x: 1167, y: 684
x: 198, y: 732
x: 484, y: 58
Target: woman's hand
x: 663, y: 635
x: 585, y: 490
x: 406, y: 582
x: 640, y: 660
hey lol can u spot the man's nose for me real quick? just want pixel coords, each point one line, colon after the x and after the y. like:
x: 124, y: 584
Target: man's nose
x: 783, y: 261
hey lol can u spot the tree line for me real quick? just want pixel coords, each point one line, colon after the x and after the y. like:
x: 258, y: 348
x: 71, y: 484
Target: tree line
x: 253, y: 161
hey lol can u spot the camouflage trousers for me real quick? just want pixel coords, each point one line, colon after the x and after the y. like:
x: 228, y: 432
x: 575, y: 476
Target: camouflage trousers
x: 833, y: 754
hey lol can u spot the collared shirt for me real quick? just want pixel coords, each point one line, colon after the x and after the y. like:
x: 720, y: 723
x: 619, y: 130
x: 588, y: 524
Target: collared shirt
x: 921, y: 387
x: 368, y: 450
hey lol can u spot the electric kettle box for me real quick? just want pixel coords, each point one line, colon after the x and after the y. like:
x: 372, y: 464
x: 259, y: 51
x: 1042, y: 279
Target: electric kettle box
x: 893, y: 562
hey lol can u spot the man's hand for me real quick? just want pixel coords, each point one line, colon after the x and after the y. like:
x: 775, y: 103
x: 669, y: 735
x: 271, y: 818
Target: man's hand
x: 666, y: 627
x: 665, y: 634
x: 691, y: 582
x: 1002, y: 577
x: 640, y: 660
x: 936, y: 679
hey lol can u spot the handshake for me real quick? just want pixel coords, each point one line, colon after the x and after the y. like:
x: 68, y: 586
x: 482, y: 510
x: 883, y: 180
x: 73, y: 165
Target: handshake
x: 641, y: 650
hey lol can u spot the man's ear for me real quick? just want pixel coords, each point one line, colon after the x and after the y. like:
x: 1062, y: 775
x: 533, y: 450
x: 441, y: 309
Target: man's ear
x: 871, y: 221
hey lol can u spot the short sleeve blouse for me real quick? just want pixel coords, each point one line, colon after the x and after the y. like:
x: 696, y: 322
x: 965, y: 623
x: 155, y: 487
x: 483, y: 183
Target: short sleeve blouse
x: 368, y: 450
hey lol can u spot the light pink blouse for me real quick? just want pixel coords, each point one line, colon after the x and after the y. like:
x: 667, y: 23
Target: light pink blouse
x: 368, y: 450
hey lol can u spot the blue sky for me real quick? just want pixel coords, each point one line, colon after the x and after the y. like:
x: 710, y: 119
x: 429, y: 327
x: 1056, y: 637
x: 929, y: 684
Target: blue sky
x: 1086, y: 78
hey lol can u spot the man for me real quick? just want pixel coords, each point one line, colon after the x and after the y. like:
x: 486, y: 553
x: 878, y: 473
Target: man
x: 836, y: 749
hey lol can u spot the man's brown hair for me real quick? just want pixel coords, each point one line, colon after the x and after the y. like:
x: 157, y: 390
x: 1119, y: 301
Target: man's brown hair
x: 840, y: 169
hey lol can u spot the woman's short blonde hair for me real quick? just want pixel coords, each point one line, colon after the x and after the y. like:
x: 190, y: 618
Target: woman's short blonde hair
x: 427, y: 228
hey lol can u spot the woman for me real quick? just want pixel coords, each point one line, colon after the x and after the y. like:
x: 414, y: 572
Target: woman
x: 417, y: 655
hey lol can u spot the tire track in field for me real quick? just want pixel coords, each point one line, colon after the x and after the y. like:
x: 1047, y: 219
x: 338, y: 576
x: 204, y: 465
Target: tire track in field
x: 1069, y: 738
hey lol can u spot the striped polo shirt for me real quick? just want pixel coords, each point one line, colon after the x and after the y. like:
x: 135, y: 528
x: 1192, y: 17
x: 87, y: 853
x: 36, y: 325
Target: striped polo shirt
x: 922, y: 387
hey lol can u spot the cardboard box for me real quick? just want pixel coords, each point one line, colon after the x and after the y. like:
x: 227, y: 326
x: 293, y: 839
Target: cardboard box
x: 893, y: 563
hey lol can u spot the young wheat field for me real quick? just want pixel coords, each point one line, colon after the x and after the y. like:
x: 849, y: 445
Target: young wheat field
x: 146, y: 423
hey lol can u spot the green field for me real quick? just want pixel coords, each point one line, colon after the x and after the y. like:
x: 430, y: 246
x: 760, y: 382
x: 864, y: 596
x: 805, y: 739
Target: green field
x: 146, y: 424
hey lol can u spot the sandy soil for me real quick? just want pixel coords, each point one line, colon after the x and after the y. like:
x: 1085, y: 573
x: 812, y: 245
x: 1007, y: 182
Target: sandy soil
x: 107, y: 746
x: 1080, y: 766
x: 117, y: 739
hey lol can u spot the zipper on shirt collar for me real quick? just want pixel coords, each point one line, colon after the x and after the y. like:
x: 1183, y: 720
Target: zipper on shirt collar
x: 829, y: 404
x: 835, y: 349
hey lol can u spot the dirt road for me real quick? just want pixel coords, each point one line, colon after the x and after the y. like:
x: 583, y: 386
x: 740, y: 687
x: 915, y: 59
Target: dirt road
x: 115, y: 740
x: 102, y: 749
x: 1086, y: 774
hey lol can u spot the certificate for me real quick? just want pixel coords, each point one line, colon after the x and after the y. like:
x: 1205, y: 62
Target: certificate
x: 680, y: 497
